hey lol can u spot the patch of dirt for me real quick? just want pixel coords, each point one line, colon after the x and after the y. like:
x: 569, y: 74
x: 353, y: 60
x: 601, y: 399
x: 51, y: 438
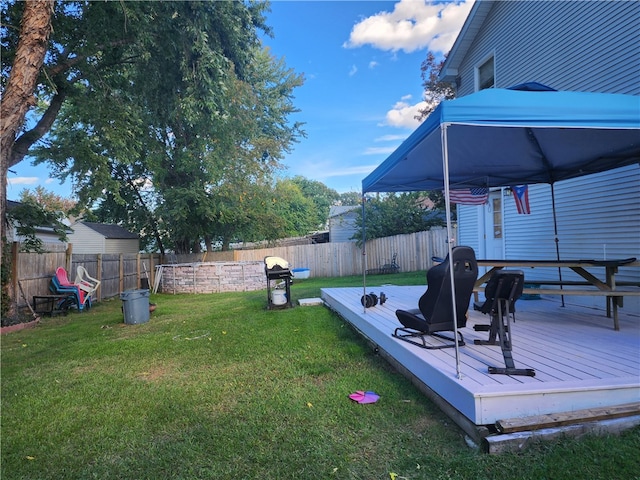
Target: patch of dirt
x: 16, y: 318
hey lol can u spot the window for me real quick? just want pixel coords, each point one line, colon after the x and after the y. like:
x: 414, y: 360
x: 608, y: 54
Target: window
x: 486, y: 74
x: 497, y: 217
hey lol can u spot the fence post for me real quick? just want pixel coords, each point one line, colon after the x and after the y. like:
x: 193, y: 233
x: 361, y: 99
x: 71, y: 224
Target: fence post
x: 99, y: 274
x: 138, y: 269
x: 121, y: 272
x: 68, y: 257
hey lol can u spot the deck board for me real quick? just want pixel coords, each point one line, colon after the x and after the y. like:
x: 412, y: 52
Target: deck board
x: 580, y: 361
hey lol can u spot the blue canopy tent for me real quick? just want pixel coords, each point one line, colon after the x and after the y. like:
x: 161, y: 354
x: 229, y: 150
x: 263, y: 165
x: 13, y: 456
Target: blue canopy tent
x: 504, y: 137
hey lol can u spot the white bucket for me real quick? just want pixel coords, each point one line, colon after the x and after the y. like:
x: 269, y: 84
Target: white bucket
x: 278, y: 297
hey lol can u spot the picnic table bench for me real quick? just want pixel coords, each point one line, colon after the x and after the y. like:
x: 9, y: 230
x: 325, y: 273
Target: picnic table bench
x: 590, y: 286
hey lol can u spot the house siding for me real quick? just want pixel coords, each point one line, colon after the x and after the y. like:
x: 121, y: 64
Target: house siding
x: 554, y: 43
x: 579, y: 46
x: 86, y: 240
x: 342, y: 227
x: 469, y: 217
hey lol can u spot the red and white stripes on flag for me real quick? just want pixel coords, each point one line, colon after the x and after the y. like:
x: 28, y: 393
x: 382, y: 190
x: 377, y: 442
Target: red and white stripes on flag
x: 469, y: 196
x: 521, y: 196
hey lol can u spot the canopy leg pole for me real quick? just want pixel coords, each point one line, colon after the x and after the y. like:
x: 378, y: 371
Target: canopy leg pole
x: 450, y: 240
x: 364, y: 257
x: 555, y: 238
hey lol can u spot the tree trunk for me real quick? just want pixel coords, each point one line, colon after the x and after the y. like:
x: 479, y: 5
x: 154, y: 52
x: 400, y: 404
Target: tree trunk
x: 18, y: 96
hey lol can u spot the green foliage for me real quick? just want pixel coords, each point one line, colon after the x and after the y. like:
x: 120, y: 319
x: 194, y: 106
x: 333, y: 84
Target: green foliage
x: 396, y: 214
x: 321, y: 196
x: 350, y: 198
x: 5, y: 278
x: 435, y: 90
x: 166, y: 111
x: 29, y: 215
x: 299, y: 211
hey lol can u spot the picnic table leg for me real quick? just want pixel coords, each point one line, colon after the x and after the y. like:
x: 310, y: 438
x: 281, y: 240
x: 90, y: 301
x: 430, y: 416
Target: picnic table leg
x: 614, y: 301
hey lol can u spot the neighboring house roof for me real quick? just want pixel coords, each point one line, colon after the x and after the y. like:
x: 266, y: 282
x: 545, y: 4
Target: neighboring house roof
x: 465, y: 39
x: 46, y: 229
x: 110, y: 231
x: 337, y: 210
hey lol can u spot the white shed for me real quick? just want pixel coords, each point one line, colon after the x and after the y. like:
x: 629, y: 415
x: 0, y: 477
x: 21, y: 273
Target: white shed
x: 89, y: 237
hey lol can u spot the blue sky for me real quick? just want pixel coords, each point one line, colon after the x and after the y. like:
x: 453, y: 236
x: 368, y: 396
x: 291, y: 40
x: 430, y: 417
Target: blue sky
x: 361, y: 62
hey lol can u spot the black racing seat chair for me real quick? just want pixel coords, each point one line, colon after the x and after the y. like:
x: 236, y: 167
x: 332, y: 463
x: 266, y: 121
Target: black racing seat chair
x: 502, y: 290
x: 497, y: 289
x: 435, y: 310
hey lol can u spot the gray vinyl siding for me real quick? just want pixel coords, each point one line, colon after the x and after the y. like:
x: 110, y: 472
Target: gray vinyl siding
x: 598, y: 216
x: 342, y: 227
x: 86, y: 240
x: 469, y: 217
x: 580, y: 46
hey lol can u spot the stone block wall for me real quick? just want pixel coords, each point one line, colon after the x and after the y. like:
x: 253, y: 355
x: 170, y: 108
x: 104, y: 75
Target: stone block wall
x: 213, y: 277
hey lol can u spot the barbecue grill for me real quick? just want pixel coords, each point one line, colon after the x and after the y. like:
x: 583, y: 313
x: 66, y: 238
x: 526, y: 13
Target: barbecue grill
x: 277, y: 270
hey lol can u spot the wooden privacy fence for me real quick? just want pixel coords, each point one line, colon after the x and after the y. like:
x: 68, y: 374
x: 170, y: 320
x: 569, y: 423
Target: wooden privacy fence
x: 119, y: 272
x: 346, y: 258
x: 31, y: 273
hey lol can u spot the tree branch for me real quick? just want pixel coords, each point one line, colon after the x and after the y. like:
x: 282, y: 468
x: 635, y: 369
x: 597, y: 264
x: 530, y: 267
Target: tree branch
x: 28, y: 138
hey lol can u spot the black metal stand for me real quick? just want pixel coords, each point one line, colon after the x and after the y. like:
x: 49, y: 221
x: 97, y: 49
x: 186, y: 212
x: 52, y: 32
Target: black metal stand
x: 409, y: 335
x: 279, y: 275
x: 500, y: 329
x: 52, y: 304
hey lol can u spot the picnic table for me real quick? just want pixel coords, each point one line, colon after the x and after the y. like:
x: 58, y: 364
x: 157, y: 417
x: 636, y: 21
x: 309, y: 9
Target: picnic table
x: 607, y: 287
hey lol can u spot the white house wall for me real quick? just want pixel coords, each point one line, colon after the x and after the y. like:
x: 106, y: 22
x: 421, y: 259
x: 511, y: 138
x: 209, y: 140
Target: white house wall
x: 86, y: 240
x: 469, y: 229
x: 342, y: 227
x: 580, y: 46
x: 554, y: 43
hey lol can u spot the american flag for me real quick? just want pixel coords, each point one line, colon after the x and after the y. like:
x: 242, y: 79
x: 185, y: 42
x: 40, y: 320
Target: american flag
x: 470, y: 196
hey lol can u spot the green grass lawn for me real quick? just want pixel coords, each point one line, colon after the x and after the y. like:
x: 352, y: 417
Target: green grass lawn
x: 215, y: 386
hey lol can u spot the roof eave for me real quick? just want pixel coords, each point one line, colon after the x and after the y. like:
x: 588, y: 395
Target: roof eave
x: 465, y: 39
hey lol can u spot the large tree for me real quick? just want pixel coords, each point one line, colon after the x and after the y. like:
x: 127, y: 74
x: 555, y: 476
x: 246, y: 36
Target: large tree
x: 152, y: 101
x: 322, y: 197
x: 26, y: 56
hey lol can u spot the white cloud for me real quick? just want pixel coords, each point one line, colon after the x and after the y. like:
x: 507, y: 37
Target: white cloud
x: 380, y: 150
x: 320, y: 170
x: 353, y: 70
x: 413, y: 25
x: 357, y: 170
x: 403, y: 114
x: 373, y: 64
x: 390, y: 138
x: 23, y: 181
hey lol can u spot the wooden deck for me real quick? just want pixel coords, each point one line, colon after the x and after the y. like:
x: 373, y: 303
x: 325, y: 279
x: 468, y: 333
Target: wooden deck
x: 580, y: 361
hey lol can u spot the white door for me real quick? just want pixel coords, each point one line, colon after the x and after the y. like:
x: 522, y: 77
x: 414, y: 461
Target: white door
x: 493, y: 227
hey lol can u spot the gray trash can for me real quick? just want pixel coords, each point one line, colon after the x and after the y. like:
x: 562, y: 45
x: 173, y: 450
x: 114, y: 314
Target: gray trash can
x: 135, y: 306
